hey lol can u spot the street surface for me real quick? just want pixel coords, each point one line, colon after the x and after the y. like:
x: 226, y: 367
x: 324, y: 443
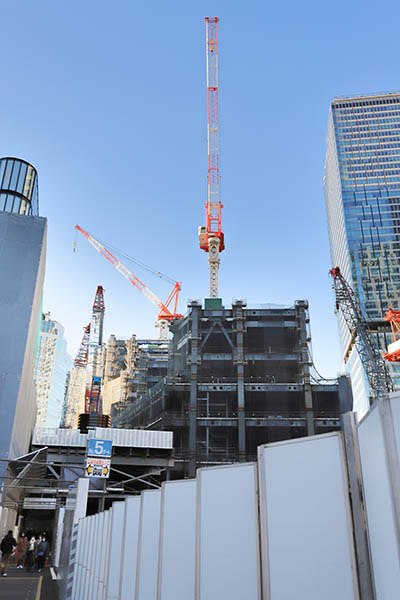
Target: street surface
x: 20, y: 585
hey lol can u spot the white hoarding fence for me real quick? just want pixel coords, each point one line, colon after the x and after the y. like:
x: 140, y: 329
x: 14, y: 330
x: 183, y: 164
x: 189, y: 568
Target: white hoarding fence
x: 200, y: 539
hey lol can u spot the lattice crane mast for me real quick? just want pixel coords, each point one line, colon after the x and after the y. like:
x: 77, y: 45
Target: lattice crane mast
x: 211, y: 237
x: 95, y: 355
x: 165, y: 315
x: 379, y: 379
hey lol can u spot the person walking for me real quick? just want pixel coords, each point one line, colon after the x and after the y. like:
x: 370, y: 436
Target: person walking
x: 30, y: 554
x: 7, y: 546
x: 43, y: 550
x: 20, y: 550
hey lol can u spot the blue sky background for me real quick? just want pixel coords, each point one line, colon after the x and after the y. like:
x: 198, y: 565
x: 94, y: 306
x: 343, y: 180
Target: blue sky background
x: 108, y: 101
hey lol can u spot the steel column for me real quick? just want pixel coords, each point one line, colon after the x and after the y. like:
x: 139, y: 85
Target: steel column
x: 194, y: 356
x: 363, y: 558
x: 239, y: 318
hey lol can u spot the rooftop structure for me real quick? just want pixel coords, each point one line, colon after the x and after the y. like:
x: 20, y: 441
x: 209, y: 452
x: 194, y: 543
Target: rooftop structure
x: 18, y: 187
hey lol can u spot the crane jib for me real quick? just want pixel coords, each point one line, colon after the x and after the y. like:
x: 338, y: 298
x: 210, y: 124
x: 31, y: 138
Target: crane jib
x: 165, y: 314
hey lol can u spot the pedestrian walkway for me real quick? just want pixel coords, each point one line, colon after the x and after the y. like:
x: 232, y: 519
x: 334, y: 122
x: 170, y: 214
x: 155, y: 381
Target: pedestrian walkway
x: 20, y: 585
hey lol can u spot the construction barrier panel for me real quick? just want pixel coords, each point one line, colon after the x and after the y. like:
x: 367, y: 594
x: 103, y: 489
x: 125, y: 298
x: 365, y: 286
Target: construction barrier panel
x: 227, y: 533
x: 130, y: 549
x: 378, y: 460
x: 115, y: 554
x: 149, y: 539
x: 306, y: 529
x: 176, y: 569
x: 278, y: 529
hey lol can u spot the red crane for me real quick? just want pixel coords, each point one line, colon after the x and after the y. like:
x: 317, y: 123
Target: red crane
x: 211, y: 237
x: 393, y: 353
x: 166, y: 314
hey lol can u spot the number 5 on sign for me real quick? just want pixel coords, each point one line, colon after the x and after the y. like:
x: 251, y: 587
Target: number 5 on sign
x: 100, y: 448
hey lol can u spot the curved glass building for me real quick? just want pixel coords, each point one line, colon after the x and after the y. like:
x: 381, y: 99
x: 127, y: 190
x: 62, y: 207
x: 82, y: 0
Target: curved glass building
x: 18, y: 187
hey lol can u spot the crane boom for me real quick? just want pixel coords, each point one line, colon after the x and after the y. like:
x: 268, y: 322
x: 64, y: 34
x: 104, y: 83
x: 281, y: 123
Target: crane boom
x: 378, y: 377
x: 165, y: 315
x: 211, y: 236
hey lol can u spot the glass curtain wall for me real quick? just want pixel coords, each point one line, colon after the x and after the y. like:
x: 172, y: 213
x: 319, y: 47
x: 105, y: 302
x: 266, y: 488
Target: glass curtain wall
x: 362, y: 193
x: 18, y: 187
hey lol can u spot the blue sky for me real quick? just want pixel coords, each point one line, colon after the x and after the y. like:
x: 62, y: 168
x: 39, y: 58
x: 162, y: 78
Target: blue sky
x: 108, y: 101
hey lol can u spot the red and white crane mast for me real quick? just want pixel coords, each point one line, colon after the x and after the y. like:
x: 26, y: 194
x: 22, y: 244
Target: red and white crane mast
x: 211, y: 237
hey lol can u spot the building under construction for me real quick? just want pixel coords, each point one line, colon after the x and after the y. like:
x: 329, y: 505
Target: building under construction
x: 237, y: 377
x: 130, y: 368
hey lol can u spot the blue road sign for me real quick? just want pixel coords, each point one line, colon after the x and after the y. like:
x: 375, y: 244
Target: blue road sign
x: 99, y: 448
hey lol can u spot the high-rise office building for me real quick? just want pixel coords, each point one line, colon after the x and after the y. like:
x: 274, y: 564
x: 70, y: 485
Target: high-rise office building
x: 51, y: 370
x: 22, y: 265
x: 362, y: 194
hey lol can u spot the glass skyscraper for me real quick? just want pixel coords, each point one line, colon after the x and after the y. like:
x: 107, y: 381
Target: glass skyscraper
x: 362, y: 194
x: 51, y: 370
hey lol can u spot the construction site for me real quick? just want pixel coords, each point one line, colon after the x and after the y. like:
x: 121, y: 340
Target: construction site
x: 202, y: 431
x: 237, y: 377
x: 223, y: 379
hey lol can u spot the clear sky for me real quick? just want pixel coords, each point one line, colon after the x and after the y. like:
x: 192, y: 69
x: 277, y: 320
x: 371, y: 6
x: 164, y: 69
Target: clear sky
x: 108, y: 101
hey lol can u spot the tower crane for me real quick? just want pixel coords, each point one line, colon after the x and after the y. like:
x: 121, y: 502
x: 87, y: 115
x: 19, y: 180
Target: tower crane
x: 378, y: 377
x: 165, y: 315
x: 211, y: 237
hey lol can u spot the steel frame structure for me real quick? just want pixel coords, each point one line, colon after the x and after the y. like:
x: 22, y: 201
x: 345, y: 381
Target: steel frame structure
x: 377, y: 374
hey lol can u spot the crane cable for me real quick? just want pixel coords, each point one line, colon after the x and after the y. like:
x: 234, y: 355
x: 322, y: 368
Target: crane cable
x: 135, y: 261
